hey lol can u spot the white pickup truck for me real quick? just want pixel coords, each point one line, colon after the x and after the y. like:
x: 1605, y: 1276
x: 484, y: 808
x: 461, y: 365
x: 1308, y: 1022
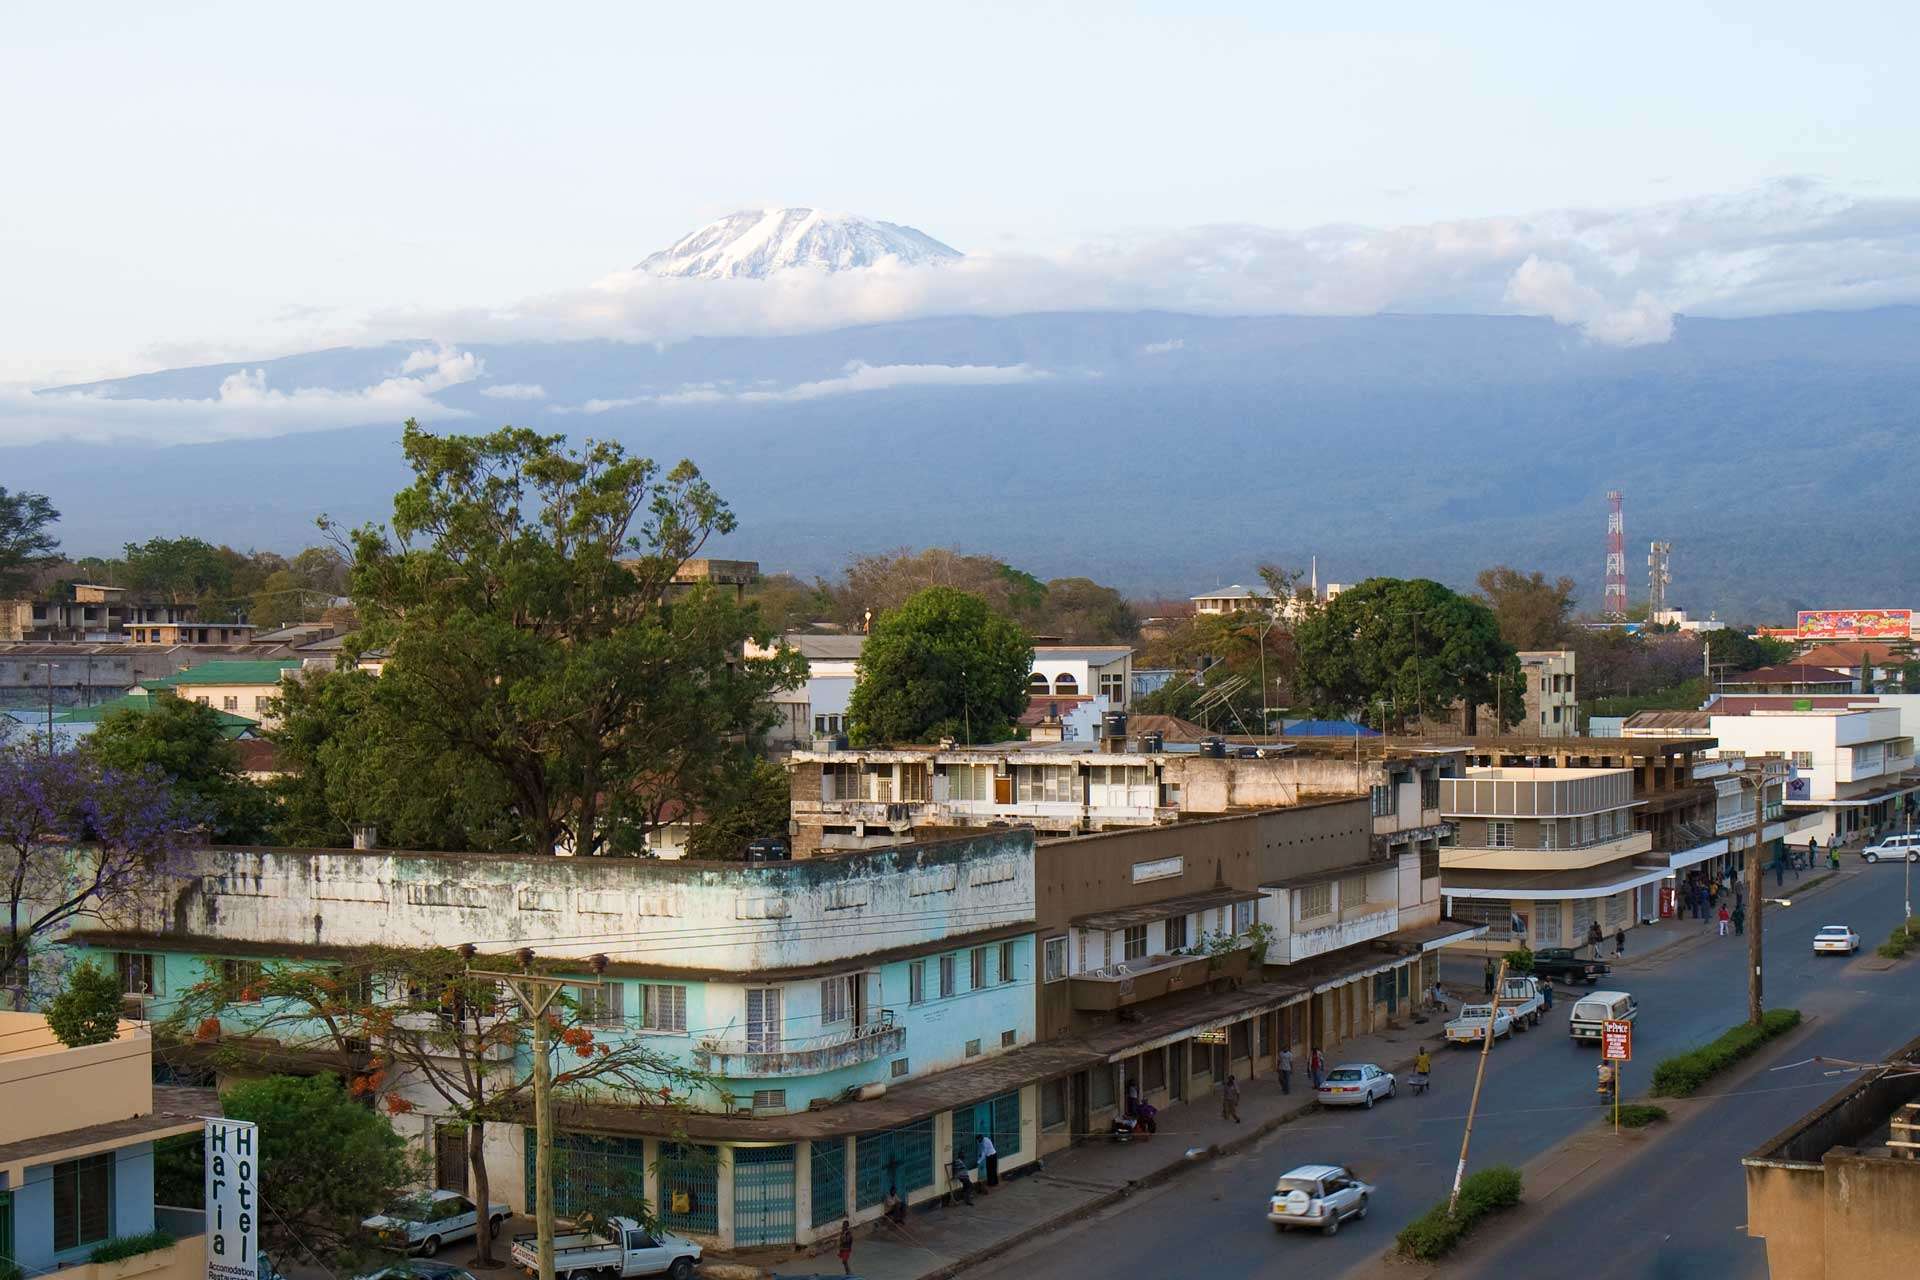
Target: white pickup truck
x: 1520, y: 998
x: 1471, y: 1026
x: 628, y: 1249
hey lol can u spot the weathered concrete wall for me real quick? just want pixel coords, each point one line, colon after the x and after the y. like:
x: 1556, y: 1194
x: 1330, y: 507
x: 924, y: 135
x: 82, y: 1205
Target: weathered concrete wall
x: 681, y: 915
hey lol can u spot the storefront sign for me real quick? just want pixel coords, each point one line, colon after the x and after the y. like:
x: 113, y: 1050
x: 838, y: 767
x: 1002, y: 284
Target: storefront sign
x: 1158, y: 869
x: 1616, y: 1041
x: 233, y: 1199
x: 1217, y: 1036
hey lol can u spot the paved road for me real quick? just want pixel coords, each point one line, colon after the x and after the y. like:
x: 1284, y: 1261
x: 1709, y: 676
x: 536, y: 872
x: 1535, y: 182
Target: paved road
x: 1539, y: 1090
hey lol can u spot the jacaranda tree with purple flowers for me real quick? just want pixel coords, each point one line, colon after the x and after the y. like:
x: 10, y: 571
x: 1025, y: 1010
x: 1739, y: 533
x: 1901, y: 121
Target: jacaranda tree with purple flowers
x: 76, y: 838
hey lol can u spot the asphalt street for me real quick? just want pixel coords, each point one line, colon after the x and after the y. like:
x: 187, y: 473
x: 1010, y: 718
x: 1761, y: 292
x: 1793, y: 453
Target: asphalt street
x: 1678, y: 1213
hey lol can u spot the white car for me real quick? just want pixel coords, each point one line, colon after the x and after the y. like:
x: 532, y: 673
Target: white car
x: 1893, y: 848
x: 1836, y: 938
x: 1317, y: 1195
x: 1354, y: 1084
x: 422, y: 1223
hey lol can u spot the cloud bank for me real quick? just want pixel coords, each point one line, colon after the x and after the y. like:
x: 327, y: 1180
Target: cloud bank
x: 859, y: 376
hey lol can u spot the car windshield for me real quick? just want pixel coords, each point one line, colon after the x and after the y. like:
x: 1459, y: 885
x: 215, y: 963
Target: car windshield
x: 411, y: 1209
x: 1308, y: 1185
x: 1834, y: 928
x: 1343, y: 1074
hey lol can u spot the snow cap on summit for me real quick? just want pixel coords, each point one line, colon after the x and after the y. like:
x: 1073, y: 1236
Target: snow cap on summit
x: 755, y: 243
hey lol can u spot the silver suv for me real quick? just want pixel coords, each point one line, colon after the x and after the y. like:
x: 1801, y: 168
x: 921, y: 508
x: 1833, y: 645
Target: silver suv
x: 1893, y: 848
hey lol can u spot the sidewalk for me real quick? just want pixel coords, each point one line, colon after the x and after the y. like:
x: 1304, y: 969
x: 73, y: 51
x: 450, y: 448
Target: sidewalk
x: 939, y: 1242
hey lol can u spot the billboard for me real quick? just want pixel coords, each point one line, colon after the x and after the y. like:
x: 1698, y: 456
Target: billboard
x: 233, y: 1199
x: 1855, y: 624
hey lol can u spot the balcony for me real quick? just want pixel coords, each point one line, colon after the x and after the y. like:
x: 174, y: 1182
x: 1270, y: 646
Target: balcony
x: 1560, y: 858
x: 738, y: 1060
x: 1362, y: 922
x: 1131, y: 982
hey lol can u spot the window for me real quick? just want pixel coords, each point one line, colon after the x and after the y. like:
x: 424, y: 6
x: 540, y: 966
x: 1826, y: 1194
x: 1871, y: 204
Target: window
x: 1037, y: 686
x: 969, y: 782
x: 1495, y: 913
x: 203, y: 700
x: 1802, y: 759
x: 917, y: 982
x: 1353, y: 891
x: 826, y: 724
x: 1008, y: 1039
x: 231, y: 702
x: 977, y: 966
x: 836, y: 1000
x: 1429, y: 791
x: 1547, y: 830
x: 842, y: 782
x: 1065, y: 686
x: 604, y: 1005
x: 1053, y: 1104
x: 1429, y: 859
x: 763, y: 1019
x: 1113, y: 688
x: 1134, y: 943
x: 83, y: 1201
x: 1176, y: 932
x: 767, y: 1100
x: 239, y: 975
x: 1316, y: 900
x: 1056, y: 959
x: 973, y: 1049
x: 1500, y: 835
x: 1385, y: 800
x: 900, y: 1067
x: 1006, y: 962
x: 1242, y: 917
x: 136, y: 974
x: 664, y: 1008
x: 949, y: 968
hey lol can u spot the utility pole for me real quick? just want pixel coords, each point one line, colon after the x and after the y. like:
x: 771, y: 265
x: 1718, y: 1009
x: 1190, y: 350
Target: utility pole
x: 1756, y: 891
x: 536, y: 994
x: 1479, y: 1076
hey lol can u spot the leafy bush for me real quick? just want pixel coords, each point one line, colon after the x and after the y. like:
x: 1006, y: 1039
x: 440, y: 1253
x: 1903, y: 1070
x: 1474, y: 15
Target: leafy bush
x: 87, y: 1010
x: 1684, y: 1073
x: 1520, y: 961
x: 1435, y: 1233
x: 1638, y: 1115
x: 129, y: 1246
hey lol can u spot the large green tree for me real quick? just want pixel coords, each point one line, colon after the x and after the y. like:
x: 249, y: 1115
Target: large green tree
x: 1405, y: 649
x: 526, y: 604
x: 1533, y: 613
x: 942, y: 665
x: 184, y: 570
x: 186, y: 742
x: 755, y: 806
x: 25, y: 542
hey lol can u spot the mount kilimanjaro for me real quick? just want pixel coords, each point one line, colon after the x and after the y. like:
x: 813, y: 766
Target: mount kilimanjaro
x: 756, y: 243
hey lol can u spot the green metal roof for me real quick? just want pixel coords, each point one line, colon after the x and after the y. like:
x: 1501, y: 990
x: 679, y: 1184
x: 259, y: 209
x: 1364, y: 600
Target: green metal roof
x: 231, y: 725
x: 266, y: 671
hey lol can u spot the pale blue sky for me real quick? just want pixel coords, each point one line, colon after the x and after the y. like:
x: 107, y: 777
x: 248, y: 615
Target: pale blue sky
x: 179, y: 187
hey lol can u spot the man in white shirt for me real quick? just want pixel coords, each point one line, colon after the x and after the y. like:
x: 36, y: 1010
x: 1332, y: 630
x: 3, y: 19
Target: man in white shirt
x: 989, y: 1162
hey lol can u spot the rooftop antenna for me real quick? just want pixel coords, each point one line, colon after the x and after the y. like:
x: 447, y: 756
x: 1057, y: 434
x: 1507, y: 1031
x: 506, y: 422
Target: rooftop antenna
x: 1659, y: 577
x: 1614, y: 599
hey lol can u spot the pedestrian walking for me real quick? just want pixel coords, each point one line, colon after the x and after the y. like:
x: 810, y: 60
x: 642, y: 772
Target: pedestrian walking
x: 1813, y: 848
x: 1546, y: 992
x: 1489, y: 975
x: 1286, y: 1070
x: 1739, y: 917
x: 846, y: 1246
x: 1620, y: 941
x: 1230, y: 1099
x: 1594, y: 938
x: 1725, y: 919
x: 1316, y: 1067
x: 989, y: 1162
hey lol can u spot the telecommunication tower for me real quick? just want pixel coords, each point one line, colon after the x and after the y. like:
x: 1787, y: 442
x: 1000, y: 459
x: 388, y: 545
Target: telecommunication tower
x: 1659, y: 577
x: 1613, y: 601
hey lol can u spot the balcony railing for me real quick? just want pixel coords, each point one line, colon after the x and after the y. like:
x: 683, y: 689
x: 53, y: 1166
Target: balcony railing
x: 850, y: 1046
x: 1130, y: 982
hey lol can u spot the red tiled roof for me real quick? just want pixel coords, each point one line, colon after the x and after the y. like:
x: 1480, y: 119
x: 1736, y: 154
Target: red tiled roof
x: 257, y: 755
x: 1042, y: 709
x: 1790, y: 673
x: 1850, y: 655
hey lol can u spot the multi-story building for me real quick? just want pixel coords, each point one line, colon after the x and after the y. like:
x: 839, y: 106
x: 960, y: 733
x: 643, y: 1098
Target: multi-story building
x: 77, y: 1134
x: 1853, y: 768
x: 859, y: 1015
x: 1076, y: 671
x: 246, y: 688
x: 93, y: 614
x: 816, y: 708
x: 1553, y: 700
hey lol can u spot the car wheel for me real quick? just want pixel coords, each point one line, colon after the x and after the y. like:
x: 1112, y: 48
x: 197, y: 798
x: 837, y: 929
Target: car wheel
x: 1368, y: 1104
x: 1871, y: 857
x: 493, y: 1226
x: 429, y: 1246
x: 1393, y: 1086
x: 1361, y: 1212
x: 1333, y: 1223
x: 681, y: 1268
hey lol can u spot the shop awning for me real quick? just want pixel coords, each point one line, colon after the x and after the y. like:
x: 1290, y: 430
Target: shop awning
x: 1593, y: 882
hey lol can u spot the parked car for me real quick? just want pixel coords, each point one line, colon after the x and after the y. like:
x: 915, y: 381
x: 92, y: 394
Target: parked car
x: 1317, y: 1195
x: 628, y: 1249
x: 1520, y: 999
x: 1354, y: 1084
x: 422, y: 1223
x: 1596, y: 1008
x: 1893, y: 848
x: 1566, y: 964
x: 419, y: 1269
x: 1474, y: 1021
x: 1835, y: 938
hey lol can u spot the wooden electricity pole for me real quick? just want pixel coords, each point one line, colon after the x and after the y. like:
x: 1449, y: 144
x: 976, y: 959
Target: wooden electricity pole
x: 536, y: 994
x: 1479, y: 1076
x: 1756, y: 890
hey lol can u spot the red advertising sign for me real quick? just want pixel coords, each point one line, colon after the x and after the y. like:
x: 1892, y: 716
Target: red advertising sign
x: 1616, y: 1041
x: 1855, y: 624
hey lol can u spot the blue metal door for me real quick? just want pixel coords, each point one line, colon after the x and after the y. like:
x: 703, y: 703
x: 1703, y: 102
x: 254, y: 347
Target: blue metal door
x: 829, y: 1180
x: 763, y: 1195
x: 689, y: 1187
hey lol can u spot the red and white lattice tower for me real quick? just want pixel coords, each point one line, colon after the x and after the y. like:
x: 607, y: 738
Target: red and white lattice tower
x: 1614, y: 602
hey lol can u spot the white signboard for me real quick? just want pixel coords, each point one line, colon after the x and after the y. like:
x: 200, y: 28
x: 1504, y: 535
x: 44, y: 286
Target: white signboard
x: 1158, y: 869
x: 233, y: 1200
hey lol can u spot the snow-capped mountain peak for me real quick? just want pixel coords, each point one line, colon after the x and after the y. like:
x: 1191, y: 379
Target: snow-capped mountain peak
x: 756, y: 243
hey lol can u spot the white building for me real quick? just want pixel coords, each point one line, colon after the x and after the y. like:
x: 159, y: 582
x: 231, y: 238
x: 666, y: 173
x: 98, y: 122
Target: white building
x: 1553, y: 701
x: 818, y: 707
x: 1083, y: 671
x: 1854, y: 767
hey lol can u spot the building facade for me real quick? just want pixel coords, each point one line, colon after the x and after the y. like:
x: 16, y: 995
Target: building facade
x: 244, y: 688
x: 1853, y: 768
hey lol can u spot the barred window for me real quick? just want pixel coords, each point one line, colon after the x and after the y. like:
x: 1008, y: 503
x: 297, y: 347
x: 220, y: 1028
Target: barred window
x: 665, y: 1008
x: 1316, y: 900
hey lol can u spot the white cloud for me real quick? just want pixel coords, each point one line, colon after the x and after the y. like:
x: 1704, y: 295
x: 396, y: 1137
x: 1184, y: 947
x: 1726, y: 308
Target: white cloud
x: 515, y: 391
x: 1161, y: 348
x: 859, y: 376
x: 244, y: 406
x: 1543, y: 287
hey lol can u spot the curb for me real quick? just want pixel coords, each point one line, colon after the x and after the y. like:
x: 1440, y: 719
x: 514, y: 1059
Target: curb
x: 1165, y: 1173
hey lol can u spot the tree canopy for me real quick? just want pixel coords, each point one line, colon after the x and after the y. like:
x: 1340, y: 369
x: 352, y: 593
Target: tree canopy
x: 187, y: 743
x: 25, y: 540
x: 1532, y: 612
x: 1407, y: 648
x: 87, y: 1010
x: 942, y: 665
x: 532, y: 630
